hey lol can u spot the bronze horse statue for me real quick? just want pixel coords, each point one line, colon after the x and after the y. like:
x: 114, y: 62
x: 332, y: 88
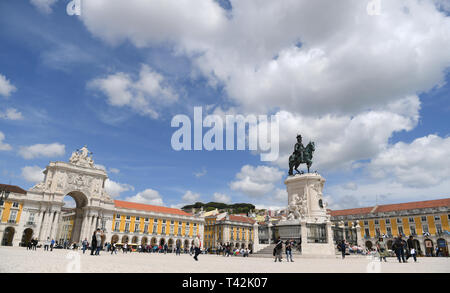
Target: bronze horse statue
x: 305, y: 158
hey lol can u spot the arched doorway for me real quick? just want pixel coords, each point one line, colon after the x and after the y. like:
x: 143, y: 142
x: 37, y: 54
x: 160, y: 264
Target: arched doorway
x: 73, y: 212
x: 429, y: 247
x: 186, y: 244
x: 27, y: 236
x: 144, y: 240
x: 442, y: 245
x: 134, y: 240
x: 114, y: 239
x: 170, y: 243
x: 369, y: 244
x: 125, y: 239
x: 250, y: 246
x: 242, y: 245
x: 162, y: 241
x: 417, y: 245
x: 154, y: 241
x: 236, y: 245
x: 8, y: 236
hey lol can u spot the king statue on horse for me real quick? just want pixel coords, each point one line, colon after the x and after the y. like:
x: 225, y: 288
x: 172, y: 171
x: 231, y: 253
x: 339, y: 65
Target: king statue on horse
x: 301, y: 155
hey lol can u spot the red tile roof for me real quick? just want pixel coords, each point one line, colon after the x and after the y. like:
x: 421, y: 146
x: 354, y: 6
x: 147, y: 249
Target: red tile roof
x: 150, y: 208
x: 235, y: 218
x: 394, y: 207
x: 12, y: 188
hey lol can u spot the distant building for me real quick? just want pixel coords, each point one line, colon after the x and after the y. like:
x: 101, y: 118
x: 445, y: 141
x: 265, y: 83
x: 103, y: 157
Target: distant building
x: 427, y: 221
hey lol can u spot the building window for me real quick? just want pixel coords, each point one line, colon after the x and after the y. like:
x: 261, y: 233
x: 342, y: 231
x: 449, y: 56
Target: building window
x: 171, y: 229
x: 366, y: 232
x: 413, y: 230
x: 136, y: 227
x: 155, y: 228
x: 388, y: 230
x: 146, y: 219
x: 377, y: 222
x: 146, y: 228
x: 437, y: 218
x: 366, y: 223
x: 116, y: 226
x: 171, y: 222
x: 164, y: 221
x: 179, y: 230
x: 399, y: 221
x: 424, y: 218
x: 138, y: 218
x: 12, y: 217
x: 377, y: 231
x: 186, y: 230
x: 163, y: 230
x: 31, y: 218
x: 118, y: 216
x: 128, y: 217
x: 425, y: 228
x: 411, y: 220
x: 15, y: 204
x: 438, y: 228
x: 400, y: 230
x: 388, y: 221
x: 127, y: 227
x: 1, y: 203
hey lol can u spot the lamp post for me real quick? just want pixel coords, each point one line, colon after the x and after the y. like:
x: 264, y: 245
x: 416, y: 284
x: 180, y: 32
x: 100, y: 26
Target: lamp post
x: 4, y: 194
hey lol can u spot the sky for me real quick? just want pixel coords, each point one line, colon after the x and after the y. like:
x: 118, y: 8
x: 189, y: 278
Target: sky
x: 371, y: 89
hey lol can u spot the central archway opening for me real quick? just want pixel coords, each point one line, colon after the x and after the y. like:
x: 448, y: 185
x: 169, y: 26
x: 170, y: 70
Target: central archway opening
x: 71, y: 218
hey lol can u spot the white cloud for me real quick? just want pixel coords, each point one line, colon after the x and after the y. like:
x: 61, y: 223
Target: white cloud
x: 221, y: 197
x: 99, y: 166
x: 44, y: 6
x: 6, y: 88
x: 422, y: 163
x: 257, y: 181
x: 190, y: 197
x: 114, y: 189
x: 33, y: 174
x: 11, y: 114
x: 42, y: 150
x: 148, y: 196
x: 281, y: 196
x: 350, y: 186
x: 201, y: 173
x: 114, y: 170
x: 4, y: 146
x: 144, y: 96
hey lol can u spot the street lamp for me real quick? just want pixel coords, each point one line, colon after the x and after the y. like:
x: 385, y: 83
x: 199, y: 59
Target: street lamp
x: 4, y: 194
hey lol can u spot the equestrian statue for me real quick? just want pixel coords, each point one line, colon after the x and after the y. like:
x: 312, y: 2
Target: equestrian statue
x: 301, y: 155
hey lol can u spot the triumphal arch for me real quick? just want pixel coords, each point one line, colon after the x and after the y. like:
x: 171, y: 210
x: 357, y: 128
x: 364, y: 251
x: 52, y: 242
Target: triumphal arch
x: 85, y: 183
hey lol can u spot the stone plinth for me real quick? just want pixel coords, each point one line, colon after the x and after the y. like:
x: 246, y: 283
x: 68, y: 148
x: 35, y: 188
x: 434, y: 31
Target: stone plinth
x: 306, y: 205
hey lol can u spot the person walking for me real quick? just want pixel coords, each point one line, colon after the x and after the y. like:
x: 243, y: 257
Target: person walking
x: 412, y: 250
x: 288, y: 247
x: 178, y: 251
x: 197, y: 247
x: 47, y: 244
x: 399, y: 249
x: 342, y: 247
x: 98, y: 237
x: 93, y: 243
x: 382, y: 249
x: 166, y: 248
x: 52, y: 244
x: 84, y: 244
x: 278, y: 250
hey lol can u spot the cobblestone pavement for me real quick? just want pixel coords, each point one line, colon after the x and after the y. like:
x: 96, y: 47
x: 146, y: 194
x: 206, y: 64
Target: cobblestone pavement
x: 19, y: 260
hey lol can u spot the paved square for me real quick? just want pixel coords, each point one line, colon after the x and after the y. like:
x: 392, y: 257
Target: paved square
x: 19, y: 260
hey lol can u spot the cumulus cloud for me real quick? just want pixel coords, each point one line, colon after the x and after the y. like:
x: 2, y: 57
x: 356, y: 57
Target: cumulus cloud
x: 114, y: 189
x: 201, y: 173
x: 144, y: 96
x: 11, y: 114
x: 148, y: 196
x: 42, y: 150
x: 422, y: 163
x: 33, y: 174
x: 44, y: 6
x: 114, y: 170
x: 6, y: 88
x: 221, y: 197
x: 256, y: 181
x: 4, y: 146
x: 190, y: 197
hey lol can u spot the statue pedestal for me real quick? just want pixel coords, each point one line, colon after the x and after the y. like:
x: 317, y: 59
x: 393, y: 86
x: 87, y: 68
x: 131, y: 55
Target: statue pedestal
x: 305, y: 194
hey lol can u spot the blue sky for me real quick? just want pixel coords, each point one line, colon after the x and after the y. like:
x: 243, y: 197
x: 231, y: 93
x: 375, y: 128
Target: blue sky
x: 368, y: 105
